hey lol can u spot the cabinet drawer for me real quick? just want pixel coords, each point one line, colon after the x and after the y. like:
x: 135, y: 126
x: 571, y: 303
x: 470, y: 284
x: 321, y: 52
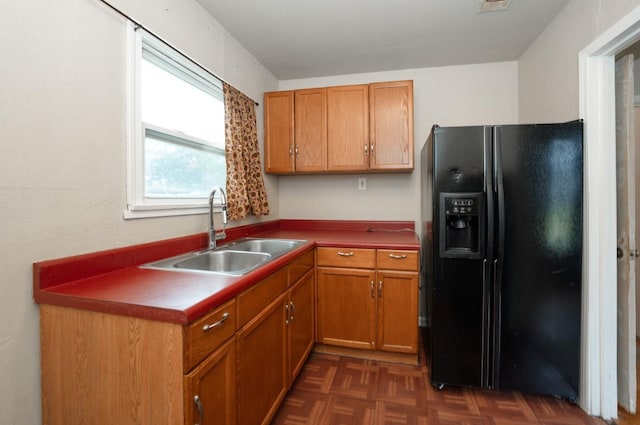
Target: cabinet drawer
x: 208, y: 333
x: 397, y: 260
x: 347, y: 257
x: 255, y: 299
x: 299, y: 266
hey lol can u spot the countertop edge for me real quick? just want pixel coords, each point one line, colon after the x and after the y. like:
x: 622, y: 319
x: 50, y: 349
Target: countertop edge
x: 54, y: 294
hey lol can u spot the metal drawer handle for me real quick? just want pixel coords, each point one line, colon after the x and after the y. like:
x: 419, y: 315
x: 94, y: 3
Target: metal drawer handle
x: 398, y: 257
x: 198, y: 403
x: 216, y: 324
x: 345, y: 254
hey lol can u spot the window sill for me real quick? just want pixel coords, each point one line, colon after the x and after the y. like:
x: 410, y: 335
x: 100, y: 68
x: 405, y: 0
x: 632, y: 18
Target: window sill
x: 162, y: 211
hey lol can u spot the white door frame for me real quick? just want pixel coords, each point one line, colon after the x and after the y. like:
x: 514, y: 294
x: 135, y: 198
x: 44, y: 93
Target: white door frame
x: 598, y: 389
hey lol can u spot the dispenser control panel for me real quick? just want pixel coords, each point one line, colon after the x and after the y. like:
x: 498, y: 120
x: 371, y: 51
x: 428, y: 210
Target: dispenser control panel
x: 461, y: 206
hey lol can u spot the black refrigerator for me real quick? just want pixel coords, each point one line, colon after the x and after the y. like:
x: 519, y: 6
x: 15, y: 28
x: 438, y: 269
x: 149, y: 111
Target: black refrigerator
x: 505, y: 256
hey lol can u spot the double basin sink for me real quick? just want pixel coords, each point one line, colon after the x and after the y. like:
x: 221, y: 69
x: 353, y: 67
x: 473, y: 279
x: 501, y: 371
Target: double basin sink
x: 234, y: 259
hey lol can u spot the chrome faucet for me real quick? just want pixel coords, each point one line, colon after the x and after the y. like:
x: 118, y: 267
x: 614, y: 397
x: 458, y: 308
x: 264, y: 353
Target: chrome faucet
x: 213, y: 236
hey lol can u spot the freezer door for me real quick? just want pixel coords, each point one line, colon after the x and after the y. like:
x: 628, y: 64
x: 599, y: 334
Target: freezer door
x: 538, y: 290
x: 460, y: 287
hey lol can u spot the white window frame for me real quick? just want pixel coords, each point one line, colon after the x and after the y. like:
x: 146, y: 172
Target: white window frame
x: 137, y: 205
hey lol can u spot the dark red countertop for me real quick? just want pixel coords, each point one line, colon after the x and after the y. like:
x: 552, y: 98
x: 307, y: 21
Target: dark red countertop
x: 112, y: 281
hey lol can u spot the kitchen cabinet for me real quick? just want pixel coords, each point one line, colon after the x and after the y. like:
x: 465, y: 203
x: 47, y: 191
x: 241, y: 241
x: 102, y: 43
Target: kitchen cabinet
x: 342, y: 129
x: 361, y: 307
x: 99, y: 368
x: 310, y: 124
x: 348, y: 128
x: 278, y: 132
x: 295, y: 131
x: 231, y: 366
x: 262, y: 374
x: 391, y: 126
x: 274, y: 344
x: 301, y: 325
x: 210, y: 389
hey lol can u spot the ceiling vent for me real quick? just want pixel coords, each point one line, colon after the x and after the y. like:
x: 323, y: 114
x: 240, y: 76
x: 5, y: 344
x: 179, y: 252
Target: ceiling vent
x: 493, y: 5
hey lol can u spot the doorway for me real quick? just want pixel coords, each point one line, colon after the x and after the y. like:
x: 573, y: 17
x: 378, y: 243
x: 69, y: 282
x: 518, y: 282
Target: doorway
x: 597, y: 107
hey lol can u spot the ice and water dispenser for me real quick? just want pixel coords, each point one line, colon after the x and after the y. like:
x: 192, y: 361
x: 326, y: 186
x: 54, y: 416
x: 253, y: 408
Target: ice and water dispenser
x: 462, y: 225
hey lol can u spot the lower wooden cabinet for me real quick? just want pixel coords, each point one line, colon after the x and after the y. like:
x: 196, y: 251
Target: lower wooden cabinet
x: 397, y: 313
x: 262, y: 372
x: 301, y: 324
x: 346, y: 307
x: 235, y: 364
x: 210, y: 389
x: 272, y: 349
x: 361, y: 307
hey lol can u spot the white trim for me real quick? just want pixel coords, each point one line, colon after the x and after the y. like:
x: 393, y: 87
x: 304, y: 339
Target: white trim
x: 139, y: 205
x: 159, y: 212
x: 598, y: 395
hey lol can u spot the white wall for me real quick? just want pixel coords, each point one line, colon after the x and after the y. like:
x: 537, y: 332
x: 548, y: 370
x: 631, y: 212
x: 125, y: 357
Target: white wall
x: 548, y: 70
x: 63, y: 152
x: 457, y: 95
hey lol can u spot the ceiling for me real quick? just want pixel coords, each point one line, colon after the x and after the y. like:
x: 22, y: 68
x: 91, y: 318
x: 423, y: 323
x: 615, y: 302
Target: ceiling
x: 313, y: 38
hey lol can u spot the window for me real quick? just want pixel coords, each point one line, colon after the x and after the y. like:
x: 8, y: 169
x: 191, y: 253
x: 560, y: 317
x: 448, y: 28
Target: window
x: 177, y: 140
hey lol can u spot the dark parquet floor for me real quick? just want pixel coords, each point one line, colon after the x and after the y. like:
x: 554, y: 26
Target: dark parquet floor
x: 337, y: 390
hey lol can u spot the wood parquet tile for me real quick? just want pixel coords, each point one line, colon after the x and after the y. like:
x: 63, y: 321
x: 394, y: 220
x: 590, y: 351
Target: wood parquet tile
x: 338, y: 390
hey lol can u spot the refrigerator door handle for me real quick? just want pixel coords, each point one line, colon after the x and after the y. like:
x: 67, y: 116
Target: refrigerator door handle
x: 484, y: 375
x: 499, y: 258
x: 496, y: 333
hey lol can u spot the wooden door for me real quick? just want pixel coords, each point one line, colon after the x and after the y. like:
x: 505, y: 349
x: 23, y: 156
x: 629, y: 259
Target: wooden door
x: 346, y: 307
x: 627, y: 252
x: 391, y: 126
x: 301, y: 324
x: 278, y: 132
x: 262, y: 374
x: 348, y: 128
x: 310, y: 147
x: 397, y: 318
x: 210, y: 389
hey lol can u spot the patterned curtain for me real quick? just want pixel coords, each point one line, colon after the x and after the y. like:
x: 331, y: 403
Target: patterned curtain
x: 246, y: 193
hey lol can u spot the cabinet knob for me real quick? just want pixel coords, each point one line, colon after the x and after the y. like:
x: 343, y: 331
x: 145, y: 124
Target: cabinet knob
x: 373, y: 295
x: 398, y: 257
x: 345, y: 254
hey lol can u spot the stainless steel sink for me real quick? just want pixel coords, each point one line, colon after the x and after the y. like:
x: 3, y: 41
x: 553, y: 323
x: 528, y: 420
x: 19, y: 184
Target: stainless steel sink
x: 235, y: 259
x: 274, y: 247
x: 224, y: 261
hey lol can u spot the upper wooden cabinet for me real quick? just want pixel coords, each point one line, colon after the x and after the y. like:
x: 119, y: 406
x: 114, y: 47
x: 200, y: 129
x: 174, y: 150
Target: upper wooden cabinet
x: 310, y: 143
x: 348, y: 128
x: 391, y: 126
x: 278, y: 132
x: 344, y: 129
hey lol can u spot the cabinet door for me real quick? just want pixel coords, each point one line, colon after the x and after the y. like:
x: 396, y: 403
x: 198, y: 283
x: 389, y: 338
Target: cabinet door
x: 301, y: 326
x: 278, y: 132
x: 310, y: 149
x: 262, y: 374
x: 346, y: 307
x: 391, y: 121
x: 348, y: 128
x: 398, y: 311
x: 210, y: 389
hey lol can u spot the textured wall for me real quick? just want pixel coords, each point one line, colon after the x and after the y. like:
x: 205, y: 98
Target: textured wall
x: 457, y: 95
x: 548, y: 70
x: 63, y: 112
